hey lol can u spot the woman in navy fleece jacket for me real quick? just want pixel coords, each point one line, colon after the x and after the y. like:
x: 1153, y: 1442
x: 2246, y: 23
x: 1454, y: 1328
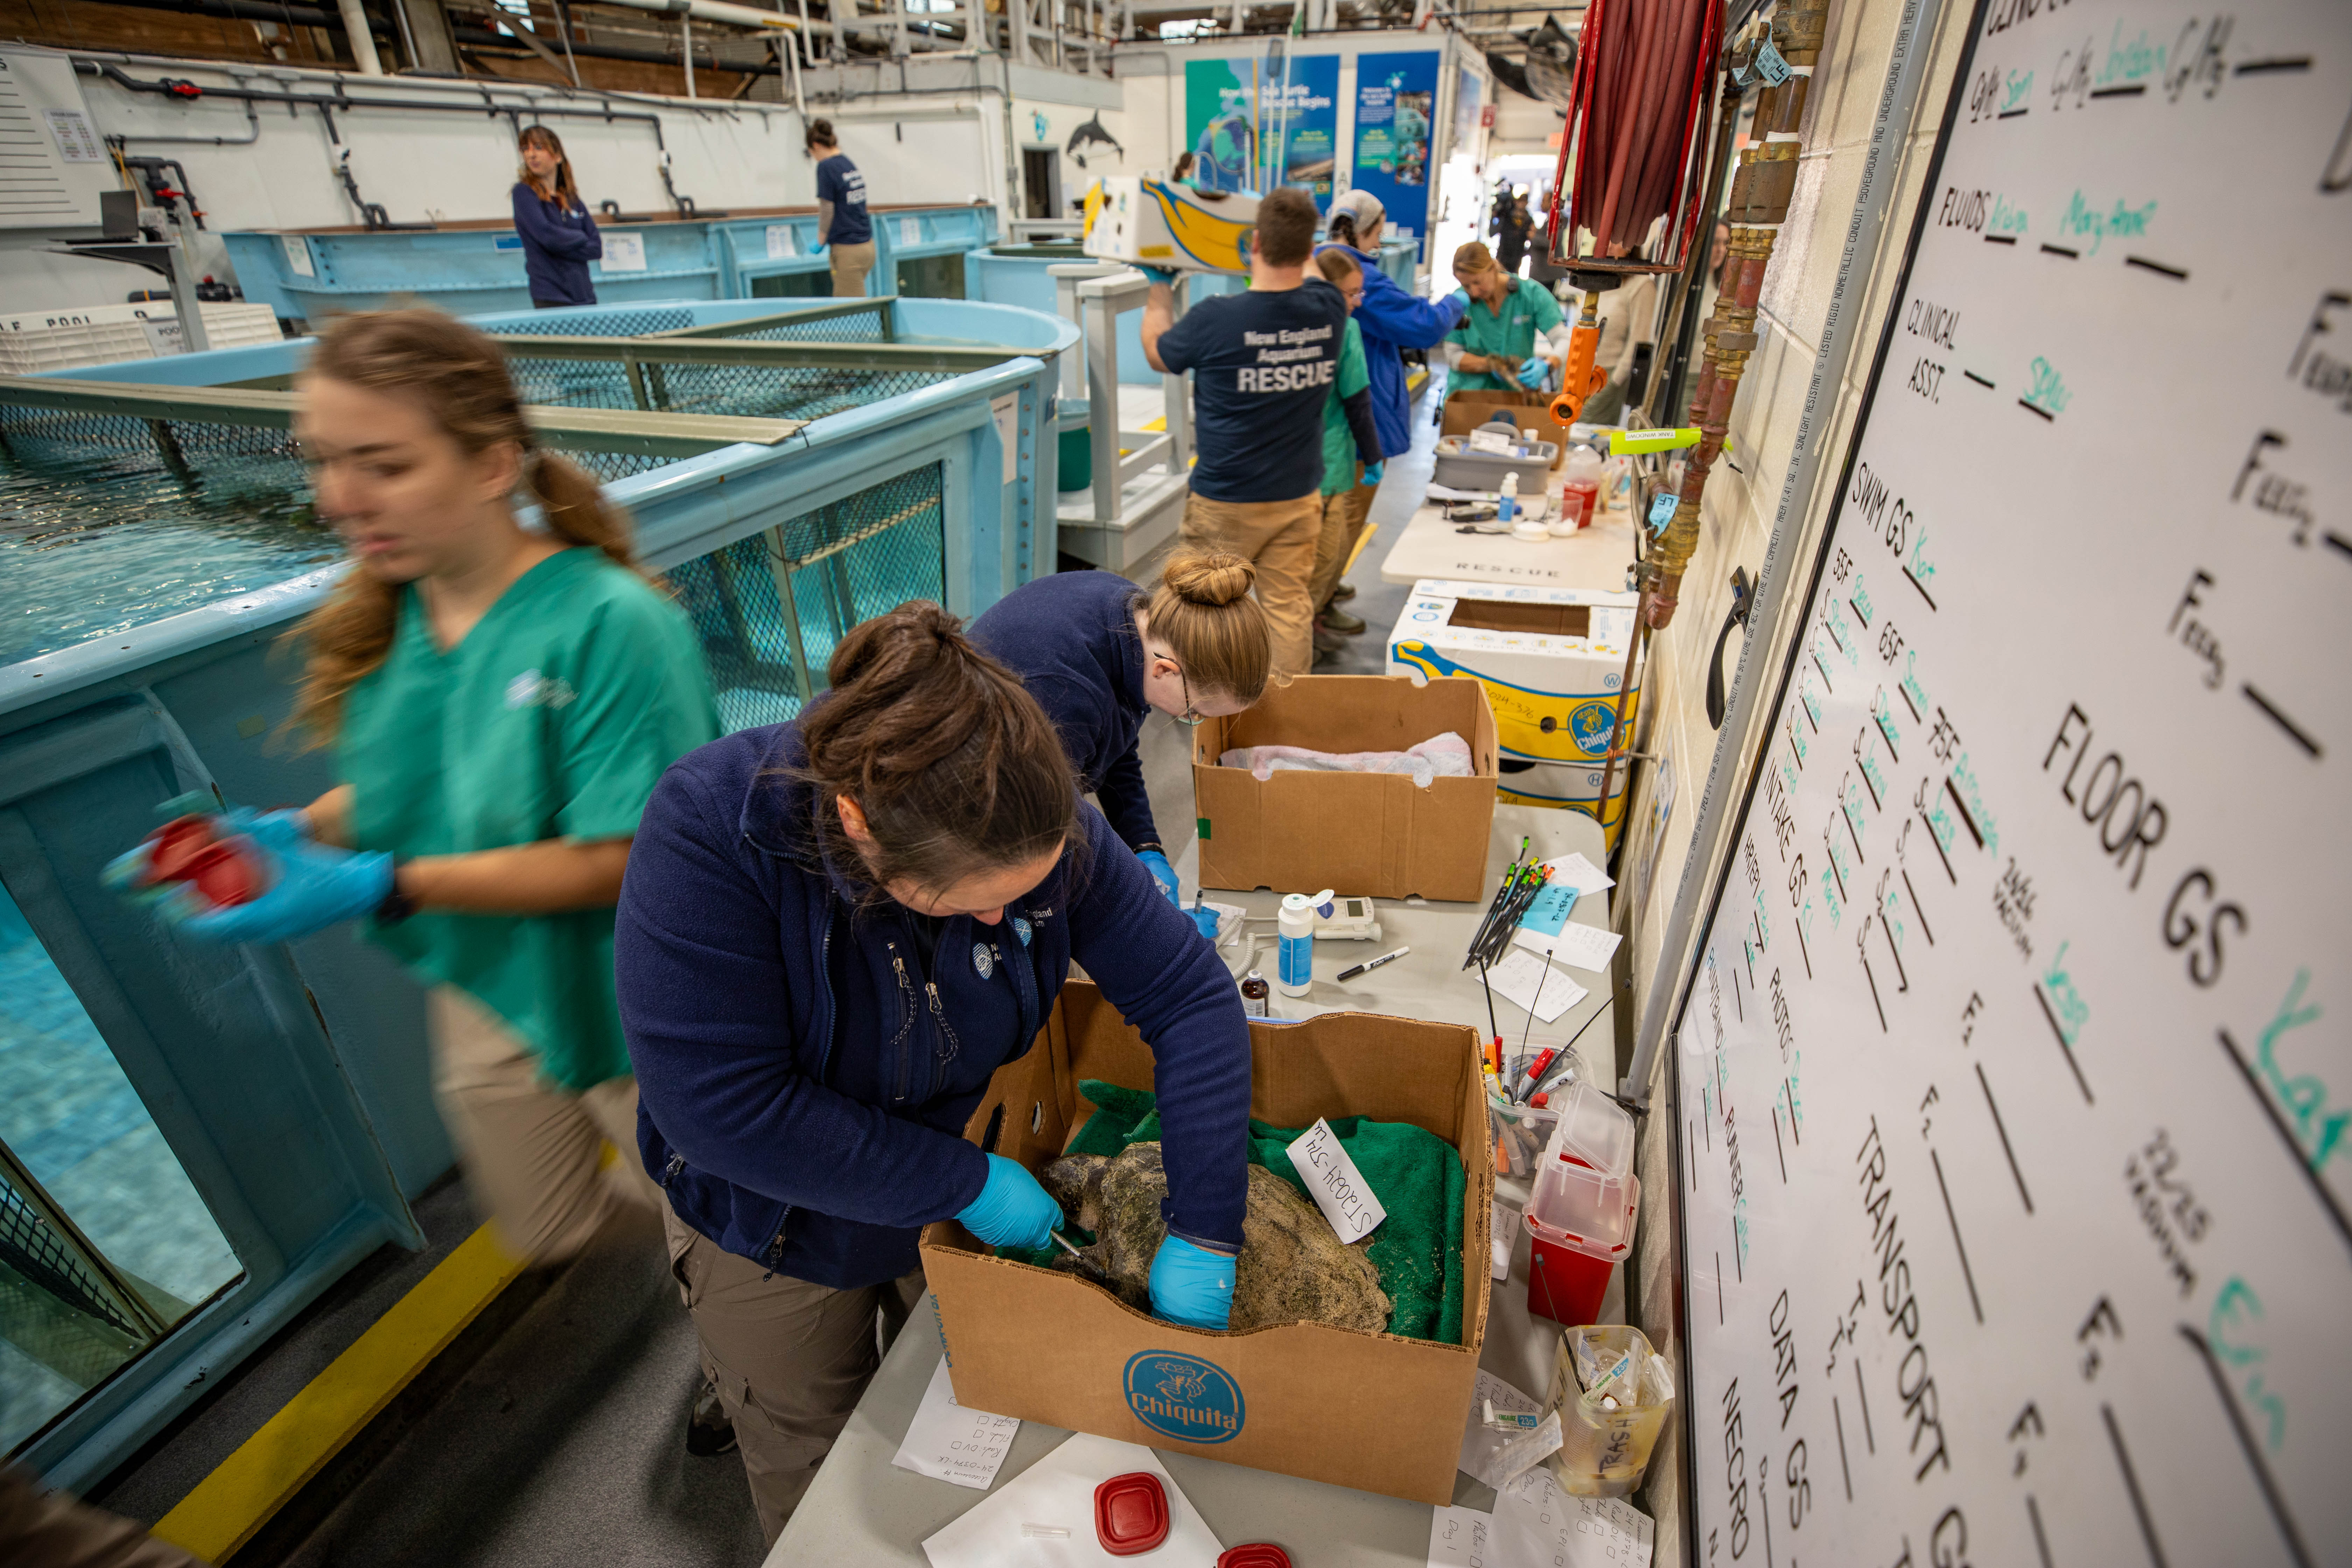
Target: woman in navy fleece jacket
x: 1099, y: 654
x: 832, y: 932
x: 558, y: 237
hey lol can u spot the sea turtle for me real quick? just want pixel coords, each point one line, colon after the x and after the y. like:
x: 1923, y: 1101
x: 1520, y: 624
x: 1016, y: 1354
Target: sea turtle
x: 1293, y: 1267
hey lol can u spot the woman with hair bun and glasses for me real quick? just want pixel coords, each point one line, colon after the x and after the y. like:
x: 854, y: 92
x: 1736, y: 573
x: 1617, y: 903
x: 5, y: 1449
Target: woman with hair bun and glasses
x: 558, y: 237
x: 833, y: 931
x: 1099, y: 654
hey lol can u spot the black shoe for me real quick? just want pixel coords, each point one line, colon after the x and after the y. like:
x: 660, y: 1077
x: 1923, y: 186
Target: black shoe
x: 709, y: 1433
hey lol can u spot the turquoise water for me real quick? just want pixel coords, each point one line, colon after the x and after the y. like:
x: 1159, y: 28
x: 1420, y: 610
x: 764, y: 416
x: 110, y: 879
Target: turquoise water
x: 98, y: 542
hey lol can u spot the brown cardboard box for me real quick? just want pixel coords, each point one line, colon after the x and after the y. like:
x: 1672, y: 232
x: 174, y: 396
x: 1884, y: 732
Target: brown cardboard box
x: 1372, y: 834
x: 1371, y: 1411
x: 1465, y: 411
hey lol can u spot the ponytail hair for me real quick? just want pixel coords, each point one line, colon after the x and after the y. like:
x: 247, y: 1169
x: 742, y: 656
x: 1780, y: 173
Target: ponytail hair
x: 1342, y: 229
x: 956, y: 768
x: 1203, y: 611
x: 459, y: 377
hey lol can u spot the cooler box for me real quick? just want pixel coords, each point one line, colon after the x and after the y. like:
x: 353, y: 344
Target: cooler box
x: 1581, y: 1211
x: 1156, y: 223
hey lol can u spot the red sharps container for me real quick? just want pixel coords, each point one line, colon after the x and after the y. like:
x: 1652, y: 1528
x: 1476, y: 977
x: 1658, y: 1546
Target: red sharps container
x: 1582, y: 1207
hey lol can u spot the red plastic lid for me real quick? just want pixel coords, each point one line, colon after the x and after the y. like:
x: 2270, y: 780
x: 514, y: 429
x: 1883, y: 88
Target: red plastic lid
x: 1131, y: 1513
x: 1257, y: 1555
x: 175, y: 846
x: 223, y: 877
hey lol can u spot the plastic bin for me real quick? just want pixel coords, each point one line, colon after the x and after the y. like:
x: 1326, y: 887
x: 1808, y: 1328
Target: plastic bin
x: 1582, y: 1209
x: 1484, y: 470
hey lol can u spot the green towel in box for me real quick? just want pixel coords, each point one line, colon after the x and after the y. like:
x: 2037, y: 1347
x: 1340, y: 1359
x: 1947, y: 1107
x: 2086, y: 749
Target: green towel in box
x: 1416, y: 1175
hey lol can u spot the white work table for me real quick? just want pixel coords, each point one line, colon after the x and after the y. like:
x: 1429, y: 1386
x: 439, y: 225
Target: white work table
x: 863, y: 1509
x: 1592, y: 558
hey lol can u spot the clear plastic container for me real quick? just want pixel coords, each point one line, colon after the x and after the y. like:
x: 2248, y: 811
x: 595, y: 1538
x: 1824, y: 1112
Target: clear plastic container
x: 1580, y: 485
x: 1585, y: 1194
x: 1521, y: 1132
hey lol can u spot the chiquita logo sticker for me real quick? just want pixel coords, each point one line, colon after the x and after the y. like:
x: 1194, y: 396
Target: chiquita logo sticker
x: 1184, y: 1396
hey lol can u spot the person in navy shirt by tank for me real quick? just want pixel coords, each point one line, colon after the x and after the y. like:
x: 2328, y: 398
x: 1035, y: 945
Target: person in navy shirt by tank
x: 1099, y: 654
x: 842, y: 221
x: 558, y: 237
x: 832, y: 932
x: 1262, y: 363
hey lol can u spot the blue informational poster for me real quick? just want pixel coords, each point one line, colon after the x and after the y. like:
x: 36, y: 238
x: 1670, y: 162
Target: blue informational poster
x: 1257, y: 121
x: 1396, y: 103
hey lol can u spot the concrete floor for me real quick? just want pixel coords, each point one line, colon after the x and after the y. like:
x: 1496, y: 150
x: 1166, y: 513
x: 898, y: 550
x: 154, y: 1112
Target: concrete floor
x: 563, y: 1441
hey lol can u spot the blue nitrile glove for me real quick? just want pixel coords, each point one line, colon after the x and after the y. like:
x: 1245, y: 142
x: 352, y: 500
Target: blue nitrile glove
x: 1205, y: 921
x: 311, y: 886
x: 1192, y: 1285
x: 1372, y: 474
x: 1011, y: 1210
x: 1161, y: 872
x: 1160, y: 274
x: 1533, y: 370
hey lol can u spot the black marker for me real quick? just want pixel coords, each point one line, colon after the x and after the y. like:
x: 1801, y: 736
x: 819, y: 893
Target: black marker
x: 1350, y: 973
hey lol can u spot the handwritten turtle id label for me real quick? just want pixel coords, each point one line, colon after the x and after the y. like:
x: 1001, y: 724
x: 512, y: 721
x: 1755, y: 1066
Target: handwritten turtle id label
x: 1332, y: 1180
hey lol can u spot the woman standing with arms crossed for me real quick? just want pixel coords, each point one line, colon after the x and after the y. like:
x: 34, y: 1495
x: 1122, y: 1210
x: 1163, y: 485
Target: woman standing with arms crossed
x: 833, y: 931
x: 841, y: 220
x: 1099, y: 654
x: 558, y: 237
x: 501, y: 701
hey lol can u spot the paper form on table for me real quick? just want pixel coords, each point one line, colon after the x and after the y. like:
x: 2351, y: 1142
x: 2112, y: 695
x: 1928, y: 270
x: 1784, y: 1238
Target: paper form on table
x: 1059, y: 1489
x: 1582, y: 947
x: 1458, y: 1537
x: 1332, y: 1180
x: 1579, y: 873
x: 1479, y: 1443
x: 951, y: 1443
x: 1534, y: 1521
x: 1517, y: 977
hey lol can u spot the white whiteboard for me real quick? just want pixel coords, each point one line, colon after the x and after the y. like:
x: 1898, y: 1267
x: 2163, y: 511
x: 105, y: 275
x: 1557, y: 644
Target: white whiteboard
x: 2015, y: 1086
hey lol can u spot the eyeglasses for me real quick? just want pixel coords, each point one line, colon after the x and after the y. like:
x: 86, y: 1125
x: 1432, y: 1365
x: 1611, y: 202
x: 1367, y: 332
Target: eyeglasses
x: 1191, y: 717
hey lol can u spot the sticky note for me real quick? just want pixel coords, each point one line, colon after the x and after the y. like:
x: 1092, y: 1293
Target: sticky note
x: 1458, y: 1537
x: 1549, y: 910
x: 1332, y: 1180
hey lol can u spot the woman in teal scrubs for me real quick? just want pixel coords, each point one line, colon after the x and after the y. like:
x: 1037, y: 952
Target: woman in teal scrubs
x: 1512, y: 337
x: 502, y: 698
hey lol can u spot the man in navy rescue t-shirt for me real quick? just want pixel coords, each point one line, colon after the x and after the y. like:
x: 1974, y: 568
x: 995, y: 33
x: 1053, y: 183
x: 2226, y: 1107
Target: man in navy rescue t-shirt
x: 841, y: 220
x: 1262, y: 366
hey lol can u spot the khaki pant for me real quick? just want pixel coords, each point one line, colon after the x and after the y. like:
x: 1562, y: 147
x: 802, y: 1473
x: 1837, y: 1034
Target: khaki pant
x: 533, y: 1155
x: 1343, y: 524
x: 1280, y: 537
x: 50, y: 1530
x: 789, y: 1359
x: 851, y: 263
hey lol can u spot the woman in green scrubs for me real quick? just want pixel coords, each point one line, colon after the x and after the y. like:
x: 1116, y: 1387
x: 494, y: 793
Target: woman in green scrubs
x: 502, y: 697
x: 1512, y: 337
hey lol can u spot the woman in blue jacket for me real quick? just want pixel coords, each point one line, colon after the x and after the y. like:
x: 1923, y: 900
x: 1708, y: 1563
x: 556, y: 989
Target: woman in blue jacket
x: 1099, y: 654
x: 1391, y: 319
x: 832, y: 932
x: 558, y: 237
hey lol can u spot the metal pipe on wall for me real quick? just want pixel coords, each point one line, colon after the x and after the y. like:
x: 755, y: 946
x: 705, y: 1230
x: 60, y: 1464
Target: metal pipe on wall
x: 363, y: 41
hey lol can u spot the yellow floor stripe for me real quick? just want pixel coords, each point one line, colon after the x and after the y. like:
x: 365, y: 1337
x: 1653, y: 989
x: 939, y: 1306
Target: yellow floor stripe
x: 251, y: 1485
